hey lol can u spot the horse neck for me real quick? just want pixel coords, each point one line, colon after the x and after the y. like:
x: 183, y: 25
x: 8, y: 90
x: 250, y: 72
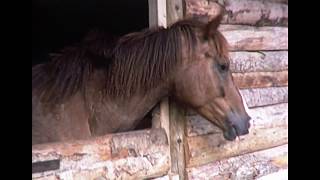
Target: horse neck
x: 114, y: 114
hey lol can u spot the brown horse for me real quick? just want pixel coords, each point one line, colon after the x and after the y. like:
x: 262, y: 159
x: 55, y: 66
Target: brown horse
x: 98, y: 87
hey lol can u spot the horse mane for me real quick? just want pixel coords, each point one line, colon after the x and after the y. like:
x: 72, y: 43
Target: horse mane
x: 133, y: 63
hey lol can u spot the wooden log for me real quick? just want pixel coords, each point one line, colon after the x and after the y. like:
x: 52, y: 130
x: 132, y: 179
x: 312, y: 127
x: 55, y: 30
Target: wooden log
x: 249, y: 166
x: 245, y: 12
x: 257, y: 97
x: 257, y: 13
x: 158, y: 17
x: 263, y: 61
x: 176, y: 113
x: 202, y: 7
x: 279, y: 1
x: 162, y: 178
x: 177, y: 140
x: 261, y: 117
x: 261, y: 79
x: 250, y: 38
x: 269, y: 116
x: 134, y: 155
x: 157, y: 13
x: 280, y: 175
x: 265, y: 96
x: 213, y: 147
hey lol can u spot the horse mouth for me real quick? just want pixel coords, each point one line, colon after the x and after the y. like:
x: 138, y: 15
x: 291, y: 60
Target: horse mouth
x: 230, y: 134
x: 233, y: 132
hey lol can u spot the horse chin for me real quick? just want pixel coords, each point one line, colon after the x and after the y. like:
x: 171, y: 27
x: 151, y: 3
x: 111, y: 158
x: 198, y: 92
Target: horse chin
x: 230, y: 134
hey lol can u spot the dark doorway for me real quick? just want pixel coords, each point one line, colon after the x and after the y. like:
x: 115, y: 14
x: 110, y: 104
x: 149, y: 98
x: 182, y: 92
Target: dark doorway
x: 59, y: 23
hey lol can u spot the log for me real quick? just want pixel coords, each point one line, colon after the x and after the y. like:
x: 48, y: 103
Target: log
x: 280, y: 175
x: 134, y: 155
x: 177, y: 120
x: 265, y: 96
x: 260, y: 79
x: 279, y: 1
x: 248, y: 38
x: 258, y: 97
x: 263, y: 61
x: 249, y: 166
x: 257, y: 13
x: 157, y: 13
x: 177, y: 140
x: 244, y: 12
x: 202, y: 8
x: 162, y: 178
x: 213, y: 147
x: 261, y: 117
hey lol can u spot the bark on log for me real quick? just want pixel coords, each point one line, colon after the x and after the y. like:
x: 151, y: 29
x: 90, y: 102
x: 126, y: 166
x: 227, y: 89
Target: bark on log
x: 257, y: 97
x: 134, y: 155
x: 177, y: 140
x: 261, y: 79
x: 265, y: 96
x: 248, y: 38
x: 245, y: 12
x: 263, y: 61
x: 249, y: 166
x: 261, y: 117
x: 258, y: 13
x: 279, y: 1
x: 213, y: 147
x: 162, y: 178
x: 280, y: 175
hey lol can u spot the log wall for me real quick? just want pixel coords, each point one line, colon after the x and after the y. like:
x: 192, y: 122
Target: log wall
x: 132, y: 155
x: 257, y: 32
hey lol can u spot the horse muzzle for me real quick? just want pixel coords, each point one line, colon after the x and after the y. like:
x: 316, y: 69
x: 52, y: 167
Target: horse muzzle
x: 236, y: 126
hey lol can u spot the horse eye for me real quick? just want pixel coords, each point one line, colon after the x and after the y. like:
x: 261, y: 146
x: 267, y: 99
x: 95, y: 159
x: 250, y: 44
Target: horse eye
x: 223, y: 67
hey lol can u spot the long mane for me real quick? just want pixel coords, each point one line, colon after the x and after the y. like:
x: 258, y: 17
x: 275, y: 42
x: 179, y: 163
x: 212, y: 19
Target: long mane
x: 133, y: 63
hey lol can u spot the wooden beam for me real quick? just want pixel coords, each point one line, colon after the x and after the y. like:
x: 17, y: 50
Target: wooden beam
x: 175, y: 11
x: 177, y: 140
x: 260, y: 79
x: 160, y: 118
x: 261, y: 117
x: 245, y: 12
x: 133, y: 155
x: 213, y: 147
x: 170, y: 116
x: 261, y: 61
x: 257, y: 97
x: 157, y: 13
x: 249, y: 38
x: 249, y: 166
x: 177, y: 116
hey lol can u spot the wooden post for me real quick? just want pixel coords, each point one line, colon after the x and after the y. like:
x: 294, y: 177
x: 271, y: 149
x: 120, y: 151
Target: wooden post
x: 172, y: 118
x: 178, y: 140
x: 177, y: 115
x: 157, y: 13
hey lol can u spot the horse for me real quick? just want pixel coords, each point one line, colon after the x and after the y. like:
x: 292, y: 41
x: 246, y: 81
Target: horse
x: 99, y: 86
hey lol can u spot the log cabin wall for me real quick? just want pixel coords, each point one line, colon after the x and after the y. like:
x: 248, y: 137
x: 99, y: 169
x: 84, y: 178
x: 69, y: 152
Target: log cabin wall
x: 257, y: 31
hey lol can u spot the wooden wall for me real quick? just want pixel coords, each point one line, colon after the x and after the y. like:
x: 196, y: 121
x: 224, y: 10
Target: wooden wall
x: 257, y: 31
x: 133, y: 155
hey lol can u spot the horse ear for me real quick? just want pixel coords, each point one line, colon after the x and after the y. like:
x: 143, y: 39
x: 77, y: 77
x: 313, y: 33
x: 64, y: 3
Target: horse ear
x: 212, y: 27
